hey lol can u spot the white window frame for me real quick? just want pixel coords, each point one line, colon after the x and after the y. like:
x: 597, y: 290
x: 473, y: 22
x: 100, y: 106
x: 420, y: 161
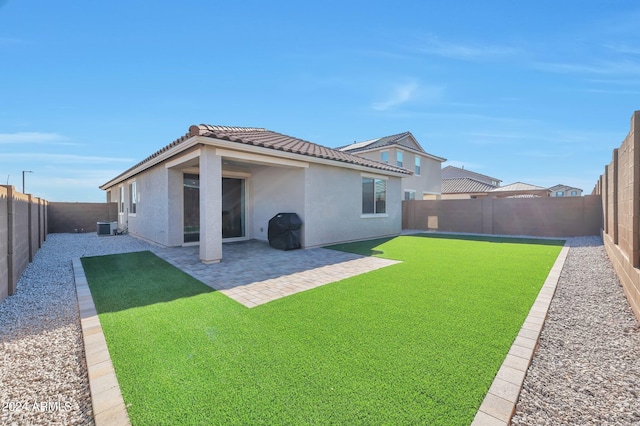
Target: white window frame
x: 382, y: 155
x: 375, y: 178
x: 133, y: 198
x: 417, y: 164
x: 121, y: 199
x: 399, y: 158
x: 410, y: 192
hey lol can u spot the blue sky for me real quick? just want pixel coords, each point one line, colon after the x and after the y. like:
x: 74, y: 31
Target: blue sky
x: 532, y: 91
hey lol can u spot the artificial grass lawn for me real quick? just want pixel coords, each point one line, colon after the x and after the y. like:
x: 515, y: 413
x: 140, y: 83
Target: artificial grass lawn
x: 414, y: 343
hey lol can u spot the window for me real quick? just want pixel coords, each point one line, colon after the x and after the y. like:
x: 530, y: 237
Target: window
x: 374, y: 196
x: 133, y: 197
x: 399, y: 158
x: 560, y: 194
x: 574, y: 193
x: 417, y: 171
x: 121, y: 199
x: 409, y: 195
x: 384, y: 156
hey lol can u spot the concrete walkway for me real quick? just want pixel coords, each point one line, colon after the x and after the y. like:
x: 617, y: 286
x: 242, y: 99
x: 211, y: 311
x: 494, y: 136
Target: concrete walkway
x: 252, y: 273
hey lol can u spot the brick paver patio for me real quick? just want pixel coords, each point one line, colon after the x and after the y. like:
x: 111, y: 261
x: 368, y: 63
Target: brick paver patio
x: 253, y: 273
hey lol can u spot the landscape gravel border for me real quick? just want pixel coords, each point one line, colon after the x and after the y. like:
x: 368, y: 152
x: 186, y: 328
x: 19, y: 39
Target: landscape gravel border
x: 499, y: 404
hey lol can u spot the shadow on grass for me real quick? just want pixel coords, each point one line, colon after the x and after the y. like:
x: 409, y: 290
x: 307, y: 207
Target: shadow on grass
x: 131, y: 280
x: 371, y: 247
x: 494, y: 239
x: 365, y: 248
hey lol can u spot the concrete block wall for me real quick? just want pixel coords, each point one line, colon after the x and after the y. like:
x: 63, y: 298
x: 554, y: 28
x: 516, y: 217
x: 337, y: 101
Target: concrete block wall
x: 619, y: 187
x: 543, y: 217
x: 4, y: 244
x: 79, y: 217
x: 22, y: 231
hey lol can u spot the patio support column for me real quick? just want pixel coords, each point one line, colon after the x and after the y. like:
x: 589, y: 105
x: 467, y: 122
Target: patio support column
x: 210, y: 205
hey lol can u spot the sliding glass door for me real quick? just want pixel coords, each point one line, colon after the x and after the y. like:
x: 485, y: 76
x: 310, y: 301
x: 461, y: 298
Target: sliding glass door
x: 233, y: 208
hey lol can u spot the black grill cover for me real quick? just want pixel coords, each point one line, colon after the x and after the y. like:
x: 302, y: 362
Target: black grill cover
x: 284, y: 231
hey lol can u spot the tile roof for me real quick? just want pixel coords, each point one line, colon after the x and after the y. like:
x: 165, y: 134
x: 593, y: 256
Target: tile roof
x: 451, y: 172
x: 260, y: 137
x: 464, y: 185
x: 388, y: 141
x: 375, y: 143
x: 524, y: 196
x: 519, y: 186
x: 563, y: 187
x: 280, y: 142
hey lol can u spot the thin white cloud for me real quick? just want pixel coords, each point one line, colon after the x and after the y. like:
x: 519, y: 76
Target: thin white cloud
x: 63, y: 158
x: 10, y: 41
x: 406, y: 92
x: 34, y: 138
x: 602, y: 68
x: 434, y: 46
x: 614, y: 92
x: 401, y: 94
x: 623, y: 49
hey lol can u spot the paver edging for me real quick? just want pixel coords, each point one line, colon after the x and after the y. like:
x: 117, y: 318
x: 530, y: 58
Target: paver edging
x: 106, y: 398
x: 513, y: 373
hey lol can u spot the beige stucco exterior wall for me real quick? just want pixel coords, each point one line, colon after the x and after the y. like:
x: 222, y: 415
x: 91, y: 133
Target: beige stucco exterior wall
x: 274, y: 190
x: 429, y: 180
x: 151, y: 218
x: 333, y: 207
x: 327, y: 198
x: 455, y: 196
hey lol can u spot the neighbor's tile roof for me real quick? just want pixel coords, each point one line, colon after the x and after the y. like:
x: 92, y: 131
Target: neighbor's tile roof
x: 464, y: 185
x: 387, y: 141
x: 375, y: 143
x: 255, y: 136
x: 451, y: 172
x: 563, y: 187
x: 519, y: 186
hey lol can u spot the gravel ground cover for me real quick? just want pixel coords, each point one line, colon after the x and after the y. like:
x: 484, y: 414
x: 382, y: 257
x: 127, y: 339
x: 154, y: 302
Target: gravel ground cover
x: 585, y: 371
x: 43, y: 377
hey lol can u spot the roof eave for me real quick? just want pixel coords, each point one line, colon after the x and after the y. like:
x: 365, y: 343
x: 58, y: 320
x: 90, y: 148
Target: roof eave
x: 384, y: 147
x: 206, y: 140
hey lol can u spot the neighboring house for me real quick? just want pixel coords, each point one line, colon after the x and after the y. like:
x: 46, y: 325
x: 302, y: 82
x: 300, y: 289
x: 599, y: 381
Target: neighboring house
x: 459, y: 183
x: 519, y: 190
x: 217, y: 184
x: 403, y: 150
x: 565, y: 191
x: 464, y: 188
x: 452, y: 172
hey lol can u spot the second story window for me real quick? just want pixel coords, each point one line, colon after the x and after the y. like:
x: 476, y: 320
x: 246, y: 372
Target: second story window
x: 399, y: 158
x: 417, y: 170
x: 384, y: 156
